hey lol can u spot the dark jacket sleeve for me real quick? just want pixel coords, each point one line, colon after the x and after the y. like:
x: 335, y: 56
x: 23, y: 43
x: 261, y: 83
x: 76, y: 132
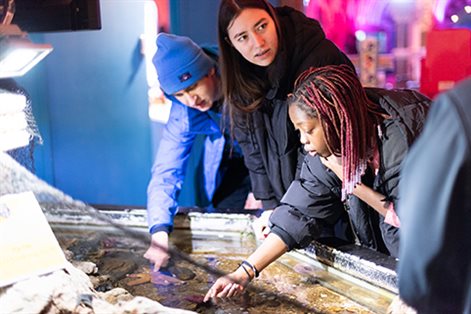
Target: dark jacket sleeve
x: 310, y: 202
x: 394, y: 148
x: 435, y: 256
x: 407, y: 110
x: 261, y: 186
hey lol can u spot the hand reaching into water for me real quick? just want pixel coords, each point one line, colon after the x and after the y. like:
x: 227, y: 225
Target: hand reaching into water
x: 228, y: 286
x: 157, y: 253
x: 235, y: 283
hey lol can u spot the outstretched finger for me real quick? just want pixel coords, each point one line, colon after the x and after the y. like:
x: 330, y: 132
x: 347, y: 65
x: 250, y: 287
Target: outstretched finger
x: 233, y: 291
x: 211, y: 294
x: 224, y: 291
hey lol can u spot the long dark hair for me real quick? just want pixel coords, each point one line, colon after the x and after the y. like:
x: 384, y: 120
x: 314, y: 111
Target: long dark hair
x: 244, y: 84
x: 349, y: 119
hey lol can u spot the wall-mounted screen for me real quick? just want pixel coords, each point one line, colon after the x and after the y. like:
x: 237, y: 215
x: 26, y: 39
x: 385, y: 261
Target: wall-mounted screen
x: 56, y: 15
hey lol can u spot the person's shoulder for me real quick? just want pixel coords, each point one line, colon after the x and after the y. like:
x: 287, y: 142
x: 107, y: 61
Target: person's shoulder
x: 462, y: 91
x: 457, y: 99
x: 395, y: 99
x: 378, y: 93
x: 315, y: 172
x: 179, y: 111
x: 298, y: 18
x: 303, y: 33
x: 285, y: 10
x: 313, y: 165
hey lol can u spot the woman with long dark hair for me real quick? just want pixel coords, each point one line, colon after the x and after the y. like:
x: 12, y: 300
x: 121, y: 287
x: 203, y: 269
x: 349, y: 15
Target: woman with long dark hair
x: 263, y: 49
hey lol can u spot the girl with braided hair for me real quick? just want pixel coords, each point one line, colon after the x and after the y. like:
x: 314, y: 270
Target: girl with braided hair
x: 359, y: 134
x: 332, y: 102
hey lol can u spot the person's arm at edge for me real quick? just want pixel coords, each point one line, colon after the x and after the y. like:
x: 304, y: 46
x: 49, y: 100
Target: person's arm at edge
x: 168, y: 174
x: 430, y: 230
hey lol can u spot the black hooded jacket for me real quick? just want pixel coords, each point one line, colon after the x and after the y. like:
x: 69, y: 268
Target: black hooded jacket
x: 271, y: 146
x: 314, y: 200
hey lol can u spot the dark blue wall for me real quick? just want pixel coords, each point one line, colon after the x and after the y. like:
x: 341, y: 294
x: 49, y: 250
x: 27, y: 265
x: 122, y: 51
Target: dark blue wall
x: 195, y: 19
x: 90, y: 99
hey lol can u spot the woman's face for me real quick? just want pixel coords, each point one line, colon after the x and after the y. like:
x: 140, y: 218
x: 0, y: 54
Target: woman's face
x: 311, y: 132
x: 253, y: 35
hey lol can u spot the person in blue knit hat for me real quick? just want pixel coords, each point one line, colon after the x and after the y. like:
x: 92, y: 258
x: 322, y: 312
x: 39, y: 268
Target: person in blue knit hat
x: 189, y: 77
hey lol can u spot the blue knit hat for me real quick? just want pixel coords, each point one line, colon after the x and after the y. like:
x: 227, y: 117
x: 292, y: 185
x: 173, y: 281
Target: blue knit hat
x: 180, y: 63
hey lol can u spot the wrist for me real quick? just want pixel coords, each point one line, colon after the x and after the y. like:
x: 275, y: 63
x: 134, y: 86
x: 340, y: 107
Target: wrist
x: 244, y: 273
x: 250, y: 269
x: 159, y: 227
x: 160, y: 236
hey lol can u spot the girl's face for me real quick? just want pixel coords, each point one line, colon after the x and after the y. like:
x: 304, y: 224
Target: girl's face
x: 253, y: 34
x: 311, y: 131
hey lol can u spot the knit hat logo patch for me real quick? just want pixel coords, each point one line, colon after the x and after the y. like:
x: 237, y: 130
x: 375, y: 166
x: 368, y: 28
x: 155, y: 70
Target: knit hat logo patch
x: 184, y: 77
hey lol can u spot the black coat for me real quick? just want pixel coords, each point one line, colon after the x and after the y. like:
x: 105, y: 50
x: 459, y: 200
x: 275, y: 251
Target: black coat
x: 315, y: 199
x: 270, y: 143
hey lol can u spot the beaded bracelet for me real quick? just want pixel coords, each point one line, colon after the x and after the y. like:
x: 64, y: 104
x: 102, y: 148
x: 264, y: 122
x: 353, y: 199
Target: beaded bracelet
x: 255, y: 271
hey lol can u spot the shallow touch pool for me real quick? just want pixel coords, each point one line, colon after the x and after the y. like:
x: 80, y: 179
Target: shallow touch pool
x: 119, y: 255
x: 294, y: 284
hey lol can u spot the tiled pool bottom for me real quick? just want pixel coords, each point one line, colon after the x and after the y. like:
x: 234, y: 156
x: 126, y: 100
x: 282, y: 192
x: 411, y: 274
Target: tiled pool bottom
x: 294, y: 284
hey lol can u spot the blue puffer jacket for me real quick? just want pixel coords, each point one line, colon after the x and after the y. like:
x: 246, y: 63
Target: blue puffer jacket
x: 168, y: 171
